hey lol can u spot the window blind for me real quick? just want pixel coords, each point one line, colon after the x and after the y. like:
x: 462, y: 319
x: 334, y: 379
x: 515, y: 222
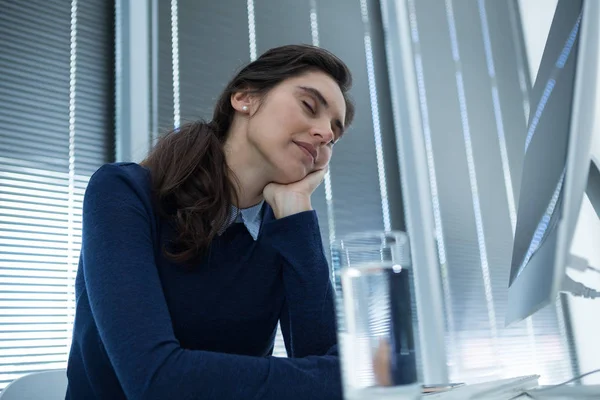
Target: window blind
x: 202, y: 44
x: 56, y: 113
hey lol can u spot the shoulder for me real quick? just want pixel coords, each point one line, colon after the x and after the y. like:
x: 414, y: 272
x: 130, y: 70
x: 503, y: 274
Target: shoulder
x: 114, y: 175
x: 120, y: 182
x: 129, y: 171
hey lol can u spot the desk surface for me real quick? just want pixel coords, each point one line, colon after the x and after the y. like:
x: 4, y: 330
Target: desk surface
x: 516, y: 388
x: 566, y: 393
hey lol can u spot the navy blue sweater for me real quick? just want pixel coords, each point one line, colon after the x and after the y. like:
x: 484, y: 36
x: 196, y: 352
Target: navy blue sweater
x: 146, y: 328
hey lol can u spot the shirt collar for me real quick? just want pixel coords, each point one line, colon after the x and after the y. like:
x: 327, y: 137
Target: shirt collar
x: 251, y: 217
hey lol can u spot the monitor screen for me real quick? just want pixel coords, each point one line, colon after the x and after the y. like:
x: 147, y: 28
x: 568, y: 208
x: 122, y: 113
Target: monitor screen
x: 546, y: 142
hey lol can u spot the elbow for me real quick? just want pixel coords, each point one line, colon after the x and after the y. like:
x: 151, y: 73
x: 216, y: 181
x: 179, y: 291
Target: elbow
x: 157, y: 389
x: 160, y: 379
x: 154, y: 389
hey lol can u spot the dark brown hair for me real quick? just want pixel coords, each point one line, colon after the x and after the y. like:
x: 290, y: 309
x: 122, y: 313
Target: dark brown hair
x: 191, y: 181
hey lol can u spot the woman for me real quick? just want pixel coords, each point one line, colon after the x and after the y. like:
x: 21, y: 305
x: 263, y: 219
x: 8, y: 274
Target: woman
x: 190, y: 260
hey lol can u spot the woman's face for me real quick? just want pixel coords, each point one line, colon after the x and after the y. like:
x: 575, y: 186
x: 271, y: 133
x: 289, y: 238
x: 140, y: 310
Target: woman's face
x: 296, y: 124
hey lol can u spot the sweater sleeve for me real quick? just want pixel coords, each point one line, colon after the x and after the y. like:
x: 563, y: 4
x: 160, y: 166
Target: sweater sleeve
x: 308, y: 314
x: 130, y: 311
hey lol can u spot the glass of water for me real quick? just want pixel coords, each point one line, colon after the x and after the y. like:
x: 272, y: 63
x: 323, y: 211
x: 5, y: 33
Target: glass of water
x: 375, y: 323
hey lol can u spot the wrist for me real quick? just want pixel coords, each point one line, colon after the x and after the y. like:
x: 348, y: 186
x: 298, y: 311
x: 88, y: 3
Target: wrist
x: 291, y: 205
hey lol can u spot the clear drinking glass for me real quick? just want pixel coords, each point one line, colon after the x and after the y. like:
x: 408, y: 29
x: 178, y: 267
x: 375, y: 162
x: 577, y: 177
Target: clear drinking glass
x: 375, y: 324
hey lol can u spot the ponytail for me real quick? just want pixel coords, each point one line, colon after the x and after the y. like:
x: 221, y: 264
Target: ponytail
x: 192, y: 187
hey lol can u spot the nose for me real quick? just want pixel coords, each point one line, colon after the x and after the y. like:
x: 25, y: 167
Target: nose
x: 323, y: 133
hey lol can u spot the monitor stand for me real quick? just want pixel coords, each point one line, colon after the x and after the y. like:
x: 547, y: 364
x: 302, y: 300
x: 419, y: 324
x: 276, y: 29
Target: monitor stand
x: 568, y: 285
x: 593, y: 186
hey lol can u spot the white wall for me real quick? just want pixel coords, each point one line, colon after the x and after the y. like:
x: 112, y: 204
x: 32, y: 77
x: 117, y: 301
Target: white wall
x: 536, y: 16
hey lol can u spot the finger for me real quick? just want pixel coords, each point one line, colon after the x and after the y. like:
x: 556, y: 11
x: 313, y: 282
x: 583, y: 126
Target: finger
x: 322, y: 172
x: 381, y: 364
x: 316, y: 178
x: 325, y: 172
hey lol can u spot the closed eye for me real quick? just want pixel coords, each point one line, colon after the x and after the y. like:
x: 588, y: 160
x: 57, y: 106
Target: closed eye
x: 309, y: 107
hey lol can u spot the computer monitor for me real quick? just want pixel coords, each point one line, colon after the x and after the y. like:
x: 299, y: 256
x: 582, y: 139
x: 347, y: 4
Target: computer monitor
x: 564, y: 104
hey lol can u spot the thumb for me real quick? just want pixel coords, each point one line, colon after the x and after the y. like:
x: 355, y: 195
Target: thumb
x: 316, y: 178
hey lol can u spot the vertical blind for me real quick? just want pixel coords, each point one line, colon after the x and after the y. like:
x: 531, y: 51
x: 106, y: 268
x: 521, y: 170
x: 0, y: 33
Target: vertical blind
x: 474, y: 89
x: 56, y: 112
x: 202, y: 44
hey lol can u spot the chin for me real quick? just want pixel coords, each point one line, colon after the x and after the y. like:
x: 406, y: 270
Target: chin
x: 288, y: 175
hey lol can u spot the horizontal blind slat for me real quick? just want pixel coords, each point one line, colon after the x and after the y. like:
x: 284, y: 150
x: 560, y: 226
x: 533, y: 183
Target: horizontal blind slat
x: 40, y: 198
x: 22, y: 369
x: 36, y: 296
x: 32, y: 343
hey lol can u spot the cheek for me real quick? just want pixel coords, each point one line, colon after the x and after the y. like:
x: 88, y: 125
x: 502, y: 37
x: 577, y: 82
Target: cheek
x: 273, y: 128
x: 263, y: 133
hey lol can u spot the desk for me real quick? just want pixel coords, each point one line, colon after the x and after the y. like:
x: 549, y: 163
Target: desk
x: 565, y: 393
x: 514, y: 389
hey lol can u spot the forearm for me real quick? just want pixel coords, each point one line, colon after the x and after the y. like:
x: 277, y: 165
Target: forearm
x: 308, y: 315
x: 190, y: 374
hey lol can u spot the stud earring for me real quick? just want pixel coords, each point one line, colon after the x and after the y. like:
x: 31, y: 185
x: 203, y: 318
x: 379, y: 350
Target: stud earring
x: 245, y: 108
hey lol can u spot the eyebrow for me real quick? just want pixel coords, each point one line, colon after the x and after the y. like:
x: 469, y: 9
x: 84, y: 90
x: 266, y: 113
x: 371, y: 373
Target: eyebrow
x: 316, y: 93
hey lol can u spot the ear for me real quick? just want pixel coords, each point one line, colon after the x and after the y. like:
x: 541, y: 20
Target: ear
x: 242, y: 102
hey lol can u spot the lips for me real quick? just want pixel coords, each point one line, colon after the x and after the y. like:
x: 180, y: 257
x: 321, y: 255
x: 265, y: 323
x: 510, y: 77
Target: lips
x: 310, y: 149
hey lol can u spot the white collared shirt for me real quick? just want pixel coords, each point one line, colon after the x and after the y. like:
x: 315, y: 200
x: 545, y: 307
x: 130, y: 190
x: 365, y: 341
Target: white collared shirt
x: 251, y: 217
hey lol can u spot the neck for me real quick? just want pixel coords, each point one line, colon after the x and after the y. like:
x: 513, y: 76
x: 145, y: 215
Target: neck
x: 248, y: 170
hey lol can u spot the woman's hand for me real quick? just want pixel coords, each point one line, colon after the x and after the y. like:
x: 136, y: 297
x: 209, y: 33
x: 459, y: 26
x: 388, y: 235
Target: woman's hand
x: 293, y: 198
